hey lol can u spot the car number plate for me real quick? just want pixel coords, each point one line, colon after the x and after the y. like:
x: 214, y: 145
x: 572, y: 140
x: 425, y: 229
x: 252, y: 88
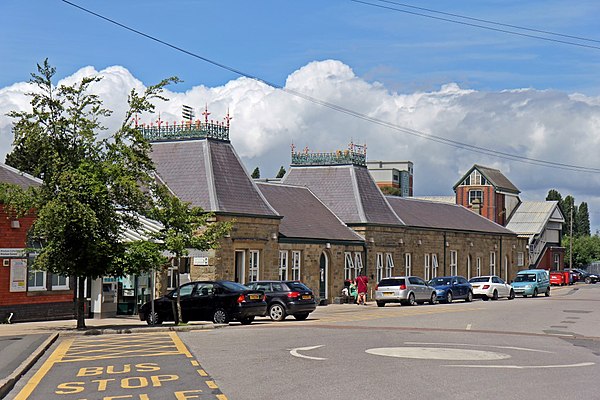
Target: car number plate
x: 475, y: 286
x: 306, y: 297
x: 388, y: 293
x: 254, y: 296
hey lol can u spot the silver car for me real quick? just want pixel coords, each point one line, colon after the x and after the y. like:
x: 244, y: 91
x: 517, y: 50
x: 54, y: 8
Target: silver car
x: 407, y: 290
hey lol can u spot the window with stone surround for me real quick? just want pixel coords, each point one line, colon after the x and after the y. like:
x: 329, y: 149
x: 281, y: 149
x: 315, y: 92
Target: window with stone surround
x: 478, y: 266
x: 283, y: 265
x: 60, y: 282
x: 453, y: 262
x: 434, y: 265
x: 520, y: 259
x: 348, y: 266
x: 379, y: 266
x: 253, y: 271
x: 358, y: 265
x: 492, y: 263
x: 427, y: 267
x: 171, y: 278
x: 296, y: 261
x: 389, y: 267
x: 408, y: 264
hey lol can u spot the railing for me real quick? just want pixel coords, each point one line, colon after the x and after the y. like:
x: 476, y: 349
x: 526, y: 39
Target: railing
x: 185, y: 131
x: 337, y: 158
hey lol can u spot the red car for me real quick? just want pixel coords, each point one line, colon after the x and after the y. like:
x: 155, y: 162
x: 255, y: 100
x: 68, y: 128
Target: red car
x: 557, y: 278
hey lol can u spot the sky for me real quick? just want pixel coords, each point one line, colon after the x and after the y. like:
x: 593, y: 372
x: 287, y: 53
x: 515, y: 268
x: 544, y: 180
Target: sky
x: 511, y: 93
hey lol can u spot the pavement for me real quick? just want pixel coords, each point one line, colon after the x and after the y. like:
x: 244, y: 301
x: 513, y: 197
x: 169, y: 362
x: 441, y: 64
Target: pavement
x: 22, y: 344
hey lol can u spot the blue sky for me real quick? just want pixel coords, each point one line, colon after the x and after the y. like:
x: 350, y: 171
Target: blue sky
x: 270, y: 39
x: 523, y: 96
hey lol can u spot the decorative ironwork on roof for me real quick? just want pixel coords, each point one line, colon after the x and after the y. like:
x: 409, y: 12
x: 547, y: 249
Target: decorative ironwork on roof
x: 186, y: 130
x: 356, y: 154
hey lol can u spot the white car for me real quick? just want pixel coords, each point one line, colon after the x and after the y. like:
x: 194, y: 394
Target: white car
x: 491, y: 287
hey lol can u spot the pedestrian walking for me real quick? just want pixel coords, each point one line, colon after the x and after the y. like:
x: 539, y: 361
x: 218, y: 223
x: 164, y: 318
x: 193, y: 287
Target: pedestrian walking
x: 361, y: 286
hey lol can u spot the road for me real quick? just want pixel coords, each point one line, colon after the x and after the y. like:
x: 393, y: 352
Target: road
x: 536, y: 347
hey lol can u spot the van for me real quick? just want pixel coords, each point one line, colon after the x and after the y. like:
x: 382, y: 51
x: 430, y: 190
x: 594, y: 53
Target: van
x: 532, y: 282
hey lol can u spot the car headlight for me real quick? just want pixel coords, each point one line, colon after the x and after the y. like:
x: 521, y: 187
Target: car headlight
x: 528, y: 286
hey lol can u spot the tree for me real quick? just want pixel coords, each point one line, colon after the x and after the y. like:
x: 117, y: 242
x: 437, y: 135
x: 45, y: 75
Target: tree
x: 184, y: 227
x: 585, y: 249
x: 281, y: 172
x: 390, y: 190
x: 583, y: 220
x: 91, y: 188
x: 256, y: 173
x: 554, y: 195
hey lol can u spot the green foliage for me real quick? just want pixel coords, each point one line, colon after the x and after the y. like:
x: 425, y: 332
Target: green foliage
x: 554, y: 195
x: 256, y: 173
x: 585, y: 250
x: 583, y: 220
x: 392, y: 191
x: 281, y: 172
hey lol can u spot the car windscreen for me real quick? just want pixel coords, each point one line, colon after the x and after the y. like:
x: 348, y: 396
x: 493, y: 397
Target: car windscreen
x: 236, y: 287
x: 480, y: 279
x: 440, y: 281
x: 391, y: 282
x: 525, y: 278
x: 297, y: 286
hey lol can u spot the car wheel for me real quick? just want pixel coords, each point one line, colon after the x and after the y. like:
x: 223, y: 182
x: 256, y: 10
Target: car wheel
x: 511, y: 295
x: 433, y: 298
x: 535, y: 293
x: 153, y: 319
x: 301, y: 316
x: 277, y: 312
x: 547, y: 293
x: 485, y: 298
x: 495, y: 295
x: 411, y: 300
x: 247, y: 320
x: 469, y: 297
x: 588, y: 280
x: 220, y: 316
x: 381, y: 304
x: 449, y: 297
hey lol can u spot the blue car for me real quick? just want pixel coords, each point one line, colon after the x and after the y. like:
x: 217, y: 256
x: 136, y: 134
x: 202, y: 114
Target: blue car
x: 449, y: 288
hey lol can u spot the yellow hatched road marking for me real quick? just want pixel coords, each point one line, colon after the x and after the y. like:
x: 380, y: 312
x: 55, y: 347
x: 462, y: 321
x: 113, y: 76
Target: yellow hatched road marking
x: 202, y: 372
x: 55, y: 357
x: 221, y: 397
x: 211, y: 384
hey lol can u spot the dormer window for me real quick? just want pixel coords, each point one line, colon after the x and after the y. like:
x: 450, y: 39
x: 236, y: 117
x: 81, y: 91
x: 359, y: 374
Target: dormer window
x: 475, y: 179
x: 476, y: 196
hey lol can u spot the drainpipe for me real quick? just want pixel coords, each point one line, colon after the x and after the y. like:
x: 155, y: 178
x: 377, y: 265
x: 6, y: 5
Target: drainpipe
x: 502, y: 261
x: 445, y: 253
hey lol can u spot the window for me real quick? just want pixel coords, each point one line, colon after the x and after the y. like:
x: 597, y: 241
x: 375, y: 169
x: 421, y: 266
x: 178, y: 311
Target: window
x: 475, y: 178
x: 453, y: 262
x: 478, y: 266
x: 475, y: 194
x: 520, y: 259
x: 380, y: 267
x: 60, y: 282
x: 389, y: 268
x: 408, y: 264
x: 171, y: 278
x: 296, y: 265
x: 557, y: 261
x: 427, y: 267
x: 36, y: 280
x: 283, y: 265
x: 434, y: 265
x: 492, y: 263
x: 358, y: 265
x: 469, y: 267
x: 254, y: 266
x: 348, y: 266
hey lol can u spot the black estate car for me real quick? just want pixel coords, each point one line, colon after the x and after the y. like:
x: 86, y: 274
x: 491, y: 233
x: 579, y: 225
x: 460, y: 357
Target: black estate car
x: 217, y: 301
x: 285, y: 298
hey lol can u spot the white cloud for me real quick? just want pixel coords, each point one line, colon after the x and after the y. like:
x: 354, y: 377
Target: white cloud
x: 547, y: 125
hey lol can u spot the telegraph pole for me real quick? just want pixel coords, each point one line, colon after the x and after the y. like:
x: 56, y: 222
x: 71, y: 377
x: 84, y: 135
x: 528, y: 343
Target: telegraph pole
x: 571, y: 239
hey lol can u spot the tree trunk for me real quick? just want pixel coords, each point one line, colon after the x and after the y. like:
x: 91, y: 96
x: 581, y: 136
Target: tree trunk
x: 81, y: 303
x: 178, y: 300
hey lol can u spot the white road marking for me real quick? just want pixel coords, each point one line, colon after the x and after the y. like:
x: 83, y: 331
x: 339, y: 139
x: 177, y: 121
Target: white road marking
x: 468, y: 327
x: 478, y: 345
x: 433, y: 353
x: 586, y: 364
x: 295, y: 353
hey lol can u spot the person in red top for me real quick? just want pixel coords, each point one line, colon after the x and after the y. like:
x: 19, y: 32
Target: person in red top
x: 361, y: 286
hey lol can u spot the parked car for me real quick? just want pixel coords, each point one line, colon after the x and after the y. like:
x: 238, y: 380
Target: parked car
x: 531, y: 282
x: 557, y: 278
x: 449, y: 288
x: 575, y: 276
x: 286, y: 298
x: 217, y: 301
x: 585, y: 276
x: 491, y: 287
x: 407, y: 290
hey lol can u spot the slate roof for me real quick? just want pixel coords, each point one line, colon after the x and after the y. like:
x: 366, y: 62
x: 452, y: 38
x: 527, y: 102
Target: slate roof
x: 494, y: 176
x: 13, y: 176
x: 531, y: 217
x: 208, y: 173
x: 430, y: 214
x: 347, y: 190
x: 304, y: 216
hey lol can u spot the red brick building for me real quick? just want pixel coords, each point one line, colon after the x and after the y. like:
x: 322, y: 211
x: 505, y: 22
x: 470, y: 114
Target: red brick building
x: 26, y: 294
